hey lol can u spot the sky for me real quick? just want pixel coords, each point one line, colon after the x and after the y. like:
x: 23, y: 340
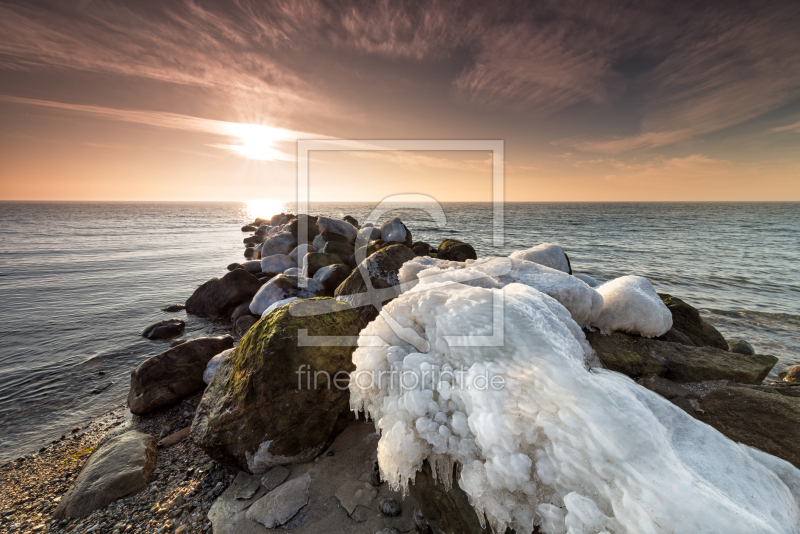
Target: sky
x: 594, y: 101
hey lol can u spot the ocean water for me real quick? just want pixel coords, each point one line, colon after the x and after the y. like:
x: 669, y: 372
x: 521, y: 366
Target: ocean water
x: 79, y: 281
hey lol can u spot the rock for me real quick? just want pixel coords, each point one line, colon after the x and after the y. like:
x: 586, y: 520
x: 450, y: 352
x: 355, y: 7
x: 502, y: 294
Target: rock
x: 790, y: 389
x: 368, y: 233
x: 791, y: 374
x: 277, y: 263
x: 299, y: 253
x: 636, y: 356
x: 547, y: 254
x: 281, y: 243
x: 249, y: 228
x: 254, y: 415
x: 176, y: 342
x: 351, y: 220
x: 667, y: 388
x: 337, y: 226
x: 252, y: 254
x: 588, y: 280
x: 687, y: 320
x: 311, y: 229
x: 454, y: 250
x: 395, y: 231
x: 164, y: 329
x: 252, y: 266
x: 274, y: 477
x: 174, y: 308
x: 263, y: 229
x: 421, y: 248
x: 240, y: 310
x: 253, y: 240
x: 227, y: 514
x: 684, y: 404
x: 247, y: 492
x: 447, y: 511
x: 213, y: 364
x: 740, y: 346
x: 390, y: 507
x: 675, y: 336
x: 279, y: 505
x: 175, y: 438
x: 173, y: 375
x: 314, y: 261
x: 218, y: 297
x: 343, y: 250
x: 121, y: 467
x: 332, y: 276
x: 353, y: 493
x: 280, y: 218
x: 244, y: 323
x: 381, y: 270
x: 770, y: 423
x: 283, y: 287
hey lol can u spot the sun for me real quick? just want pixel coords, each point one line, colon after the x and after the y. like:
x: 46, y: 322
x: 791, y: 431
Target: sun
x: 256, y: 141
x: 264, y: 208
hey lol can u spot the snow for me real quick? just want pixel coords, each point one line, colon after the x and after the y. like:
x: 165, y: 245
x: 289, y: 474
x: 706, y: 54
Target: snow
x: 300, y: 252
x: 336, y: 226
x: 393, y: 230
x: 277, y: 263
x: 276, y: 305
x: 588, y: 280
x: 213, y: 364
x: 368, y: 233
x: 632, y: 305
x: 280, y: 243
x: 546, y: 254
x: 556, y: 444
x: 583, y: 302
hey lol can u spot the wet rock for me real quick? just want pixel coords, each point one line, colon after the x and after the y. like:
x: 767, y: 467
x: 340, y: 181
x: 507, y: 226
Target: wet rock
x: 687, y: 320
x: 791, y: 374
x: 390, y: 507
x: 218, y: 297
x: 381, y: 270
x: 120, y: 467
x: 279, y: 505
x: 240, y: 310
x: 249, y: 228
x: 768, y: 422
x: 164, y: 329
x: 454, y: 250
x: 740, y: 346
x: 244, y: 323
x: 637, y: 356
x: 445, y: 510
x: 174, y: 308
x: 253, y: 240
x: 253, y: 415
x: 173, y: 375
x: 667, y: 388
x: 421, y: 248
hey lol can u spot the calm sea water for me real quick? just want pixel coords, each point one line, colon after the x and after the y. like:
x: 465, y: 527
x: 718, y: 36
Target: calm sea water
x: 79, y: 281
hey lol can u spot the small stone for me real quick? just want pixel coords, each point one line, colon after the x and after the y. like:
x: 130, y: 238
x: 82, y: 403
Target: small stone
x: 274, y: 477
x: 390, y: 507
x: 330, y: 453
x: 281, y: 504
x: 249, y: 490
x: 181, y: 529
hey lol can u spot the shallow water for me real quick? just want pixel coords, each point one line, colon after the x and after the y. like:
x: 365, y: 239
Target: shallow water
x: 79, y: 281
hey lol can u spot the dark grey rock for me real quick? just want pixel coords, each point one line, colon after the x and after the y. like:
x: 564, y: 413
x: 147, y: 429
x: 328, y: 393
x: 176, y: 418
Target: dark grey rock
x: 164, y: 329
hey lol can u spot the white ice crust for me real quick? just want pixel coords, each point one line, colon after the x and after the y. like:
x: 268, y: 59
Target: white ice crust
x: 559, y: 445
x: 546, y: 254
x: 271, y: 293
x: 393, y: 230
x: 336, y: 226
x: 213, y: 364
x: 277, y: 263
x: 632, y: 305
x: 369, y: 233
x: 275, y: 305
x: 583, y: 302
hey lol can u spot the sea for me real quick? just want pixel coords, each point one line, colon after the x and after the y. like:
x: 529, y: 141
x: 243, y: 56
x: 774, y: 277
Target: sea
x: 79, y: 281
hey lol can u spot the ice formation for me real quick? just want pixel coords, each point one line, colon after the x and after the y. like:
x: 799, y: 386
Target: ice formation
x: 369, y: 233
x: 583, y: 302
x: 336, y: 226
x: 275, y: 305
x: 393, y: 230
x: 546, y: 254
x: 282, y: 287
x: 557, y: 445
x: 277, y: 263
x: 630, y: 304
x: 213, y: 364
x: 588, y: 280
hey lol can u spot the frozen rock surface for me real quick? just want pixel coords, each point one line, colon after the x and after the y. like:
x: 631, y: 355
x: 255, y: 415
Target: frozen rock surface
x: 213, y: 364
x: 546, y: 254
x: 544, y: 440
x: 394, y: 230
x: 630, y: 304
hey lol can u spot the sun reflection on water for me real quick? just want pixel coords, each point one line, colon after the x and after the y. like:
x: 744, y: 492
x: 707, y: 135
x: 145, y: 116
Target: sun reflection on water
x: 265, y: 208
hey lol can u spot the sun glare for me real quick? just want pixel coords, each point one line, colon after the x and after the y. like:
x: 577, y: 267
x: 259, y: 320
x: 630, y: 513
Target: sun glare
x: 264, y: 208
x: 256, y: 141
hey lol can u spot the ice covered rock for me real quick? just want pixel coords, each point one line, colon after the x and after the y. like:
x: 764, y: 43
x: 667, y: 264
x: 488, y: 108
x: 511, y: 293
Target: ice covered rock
x: 630, y: 304
x: 213, y: 365
x: 337, y: 226
x: 277, y: 263
x: 586, y: 279
x: 275, y: 305
x: 544, y: 440
x: 369, y: 233
x: 280, y: 243
x: 546, y: 254
x: 395, y: 231
x: 282, y: 287
x: 300, y: 252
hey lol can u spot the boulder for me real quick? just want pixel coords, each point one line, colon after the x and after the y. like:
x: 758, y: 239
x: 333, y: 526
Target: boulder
x: 741, y: 346
x: 120, y: 467
x: 369, y: 233
x: 421, y: 248
x: 300, y: 252
x: 275, y: 220
x: 547, y: 254
x: 312, y: 230
x: 252, y: 266
x: 454, y: 250
x: 253, y: 240
x: 249, y: 228
x: 164, y: 329
x: 768, y: 422
x: 280, y: 243
x: 687, y: 320
x: 253, y: 413
x: 174, y: 308
x: 263, y: 229
x: 244, y: 323
x: 337, y: 226
x: 279, y: 505
x: 282, y: 287
x: 585, y: 278
x: 381, y: 270
x: 637, y: 356
x: 351, y: 220
x: 277, y: 263
x: 239, y: 311
x: 394, y: 231
x: 213, y: 364
x: 792, y: 374
x: 173, y: 375
x: 676, y: 336
x: 332, y: 276
x: 447, y: 511
x: 252, y: 254
x: 315, y: 261
x: 345, y: 251
x: 218, y: 297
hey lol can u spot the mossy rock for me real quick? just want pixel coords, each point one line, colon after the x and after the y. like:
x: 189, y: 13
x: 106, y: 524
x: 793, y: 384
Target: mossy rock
x: 686, y: 319
x: 455, y: 250
x: 259, y: 410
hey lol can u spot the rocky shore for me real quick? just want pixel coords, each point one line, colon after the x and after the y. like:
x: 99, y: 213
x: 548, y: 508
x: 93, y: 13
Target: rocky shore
x: 228, y: 434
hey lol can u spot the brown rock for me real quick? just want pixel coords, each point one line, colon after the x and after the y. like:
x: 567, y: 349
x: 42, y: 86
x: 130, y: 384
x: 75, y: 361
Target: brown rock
x: 218, y: 297
x: 245, y: 323
x: 791, y: 374
x: 455, y: 250
x: 687, y: 320
x: 175, y: 438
